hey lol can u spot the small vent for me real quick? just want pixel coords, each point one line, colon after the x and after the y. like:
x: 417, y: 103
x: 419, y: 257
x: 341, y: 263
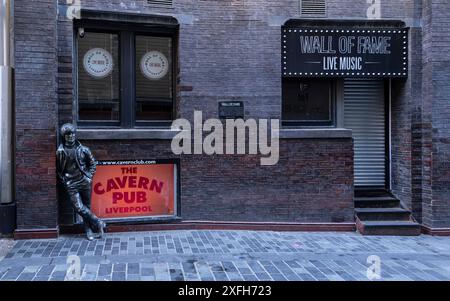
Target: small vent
x: 164, y: 3
x: 313, y: 8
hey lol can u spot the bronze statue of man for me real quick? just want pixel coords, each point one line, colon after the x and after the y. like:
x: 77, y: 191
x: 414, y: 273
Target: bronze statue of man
x: 76, y: 168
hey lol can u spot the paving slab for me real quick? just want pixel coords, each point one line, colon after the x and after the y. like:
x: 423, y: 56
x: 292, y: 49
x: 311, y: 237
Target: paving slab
x: 226, y: 256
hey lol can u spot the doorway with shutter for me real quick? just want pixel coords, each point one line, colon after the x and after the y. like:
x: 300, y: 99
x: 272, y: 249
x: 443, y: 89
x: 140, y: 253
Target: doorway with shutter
x: 366, y: 114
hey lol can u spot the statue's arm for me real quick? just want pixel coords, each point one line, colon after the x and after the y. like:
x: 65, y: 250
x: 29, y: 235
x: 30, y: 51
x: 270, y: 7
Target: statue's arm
x: 92, y: 166
x: 59, y: 165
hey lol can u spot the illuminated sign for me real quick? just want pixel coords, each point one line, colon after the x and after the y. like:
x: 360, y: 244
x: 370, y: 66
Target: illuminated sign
x: 349, y: 52
x: 133, y: 189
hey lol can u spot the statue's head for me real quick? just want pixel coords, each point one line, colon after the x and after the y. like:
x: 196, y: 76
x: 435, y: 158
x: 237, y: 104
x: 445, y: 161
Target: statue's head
x: 68, y: 131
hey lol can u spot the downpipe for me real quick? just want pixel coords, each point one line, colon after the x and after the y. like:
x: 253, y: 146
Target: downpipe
x: 7, y: 204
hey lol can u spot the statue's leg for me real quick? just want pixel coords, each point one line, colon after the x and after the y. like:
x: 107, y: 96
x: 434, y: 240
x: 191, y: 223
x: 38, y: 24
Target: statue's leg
x: 85, y: 194
x: 88, y: 231
x: 77, y: 204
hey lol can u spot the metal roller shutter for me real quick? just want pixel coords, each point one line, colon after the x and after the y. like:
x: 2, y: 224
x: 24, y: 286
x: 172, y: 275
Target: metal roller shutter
x: 364, y: 113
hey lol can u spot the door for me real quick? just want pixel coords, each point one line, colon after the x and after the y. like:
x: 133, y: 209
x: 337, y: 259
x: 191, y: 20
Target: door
x: 365, y: 114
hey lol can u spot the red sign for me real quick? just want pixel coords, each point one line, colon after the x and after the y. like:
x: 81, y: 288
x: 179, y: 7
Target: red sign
x: 127, y: 190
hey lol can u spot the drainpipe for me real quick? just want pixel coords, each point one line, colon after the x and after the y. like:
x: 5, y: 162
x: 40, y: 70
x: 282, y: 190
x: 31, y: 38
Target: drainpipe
x: 7, y: 206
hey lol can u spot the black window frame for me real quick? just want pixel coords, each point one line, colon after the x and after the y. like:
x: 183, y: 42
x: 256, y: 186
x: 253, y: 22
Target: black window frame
x: 311, y: 124
x: 127, y: 62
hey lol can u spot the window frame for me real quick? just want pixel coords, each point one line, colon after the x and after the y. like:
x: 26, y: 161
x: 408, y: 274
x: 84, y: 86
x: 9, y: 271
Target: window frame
x: 144, y: 123
x: 127, y: 77
x: 98, y: 123
x: 308, y: 123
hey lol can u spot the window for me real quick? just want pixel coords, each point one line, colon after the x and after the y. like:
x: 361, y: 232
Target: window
x: 98, y: 77
x: 125, y: 75
x: 153, y: 78
x: 308, y: 102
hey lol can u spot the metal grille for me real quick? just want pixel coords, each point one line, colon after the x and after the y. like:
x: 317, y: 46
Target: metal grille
x: 313, y: 8
x: 365, y: 115
x: 165, y: 3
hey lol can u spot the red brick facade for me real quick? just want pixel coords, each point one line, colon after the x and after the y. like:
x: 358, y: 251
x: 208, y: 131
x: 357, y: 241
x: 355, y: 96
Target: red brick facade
x: 230, y: 51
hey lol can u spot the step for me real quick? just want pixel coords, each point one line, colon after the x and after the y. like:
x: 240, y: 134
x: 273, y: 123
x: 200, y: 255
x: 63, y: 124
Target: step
x: 376, y: 202
x: 383, y: 214
x: 398, y: 228
x: 371, y: 192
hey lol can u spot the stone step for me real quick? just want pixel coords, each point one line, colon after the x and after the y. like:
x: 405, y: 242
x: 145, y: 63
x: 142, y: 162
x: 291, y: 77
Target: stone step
x: 371, y: 192
x: 398, y: 228
x: 376, y: 202
x: 383, y: 214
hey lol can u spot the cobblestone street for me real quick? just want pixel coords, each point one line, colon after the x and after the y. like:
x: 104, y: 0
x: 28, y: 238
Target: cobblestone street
x: 229, y: 255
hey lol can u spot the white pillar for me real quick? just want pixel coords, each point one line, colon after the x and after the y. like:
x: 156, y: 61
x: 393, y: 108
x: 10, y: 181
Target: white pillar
x: 6, y: 104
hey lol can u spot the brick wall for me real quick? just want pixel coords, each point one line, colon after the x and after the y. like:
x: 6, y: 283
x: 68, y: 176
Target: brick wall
x: 306, y: 185
x: 235, y: 55
x: 298, y: 189
x: 426, y: 109
x: 437, y: 60
x: 36, y: 112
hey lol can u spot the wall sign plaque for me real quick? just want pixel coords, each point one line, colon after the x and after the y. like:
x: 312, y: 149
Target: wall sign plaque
x: 349, y: 52
x: 231, y: 109
x: 134, y: 189
x: 154, y: 65
x: 98, y: 62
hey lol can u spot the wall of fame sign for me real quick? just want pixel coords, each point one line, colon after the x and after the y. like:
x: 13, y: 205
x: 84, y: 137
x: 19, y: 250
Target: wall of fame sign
x: 330, y: 52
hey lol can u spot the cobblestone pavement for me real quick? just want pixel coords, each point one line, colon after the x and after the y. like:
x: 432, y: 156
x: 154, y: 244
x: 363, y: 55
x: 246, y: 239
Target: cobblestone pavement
x: 229, y: 255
